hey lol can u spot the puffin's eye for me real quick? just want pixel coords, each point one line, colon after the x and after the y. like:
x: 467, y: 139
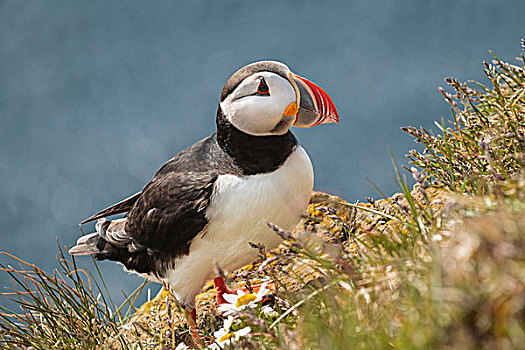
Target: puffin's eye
x: 263, y: 88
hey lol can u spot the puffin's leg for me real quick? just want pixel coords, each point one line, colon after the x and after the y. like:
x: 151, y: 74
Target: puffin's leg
x: 221, y: 289
x: 193, y: 315
x: 191, y: 318
x: 190, y: 314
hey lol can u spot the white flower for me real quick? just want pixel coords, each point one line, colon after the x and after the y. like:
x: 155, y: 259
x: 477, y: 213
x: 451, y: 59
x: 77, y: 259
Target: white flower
x: 268, y: 311
x: 182, y: 346
x: 242, y: 299
x: 226, y: 336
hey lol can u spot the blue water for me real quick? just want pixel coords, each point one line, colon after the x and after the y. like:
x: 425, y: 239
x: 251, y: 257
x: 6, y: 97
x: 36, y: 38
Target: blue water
x: 95, y: 96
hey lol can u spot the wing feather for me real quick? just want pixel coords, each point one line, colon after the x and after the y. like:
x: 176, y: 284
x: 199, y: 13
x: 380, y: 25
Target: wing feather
x: 121, y: 207
x: 170, y: 211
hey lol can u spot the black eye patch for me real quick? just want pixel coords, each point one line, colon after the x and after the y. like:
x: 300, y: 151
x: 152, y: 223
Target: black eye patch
x: 263, y: 89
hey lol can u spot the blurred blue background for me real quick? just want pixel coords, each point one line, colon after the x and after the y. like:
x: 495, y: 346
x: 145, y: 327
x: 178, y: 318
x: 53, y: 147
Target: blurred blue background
x: 95, y: 96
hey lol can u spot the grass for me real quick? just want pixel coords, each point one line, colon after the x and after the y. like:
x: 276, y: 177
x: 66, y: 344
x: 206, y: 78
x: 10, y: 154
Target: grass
x: 439, y: 265
x: 68, y: 309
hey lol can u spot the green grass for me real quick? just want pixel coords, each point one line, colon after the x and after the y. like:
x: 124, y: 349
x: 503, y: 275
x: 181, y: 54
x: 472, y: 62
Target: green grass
x: 440, y: 265
x: 452, y: 277
x: 66, y: 309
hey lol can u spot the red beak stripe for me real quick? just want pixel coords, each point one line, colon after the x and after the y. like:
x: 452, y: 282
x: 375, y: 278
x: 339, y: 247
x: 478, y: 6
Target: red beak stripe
x: 324, y: 104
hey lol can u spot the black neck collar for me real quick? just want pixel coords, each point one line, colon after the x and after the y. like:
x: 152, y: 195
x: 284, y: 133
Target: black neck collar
x: 254, y: 154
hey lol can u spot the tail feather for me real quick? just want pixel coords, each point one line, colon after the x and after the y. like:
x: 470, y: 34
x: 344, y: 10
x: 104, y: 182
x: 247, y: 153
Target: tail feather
x: 111, y: 242
x: 86, y: 245
x: 94, y: 243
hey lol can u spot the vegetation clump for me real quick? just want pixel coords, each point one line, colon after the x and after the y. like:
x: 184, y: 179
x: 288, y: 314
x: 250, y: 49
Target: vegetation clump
x: 439, y: 265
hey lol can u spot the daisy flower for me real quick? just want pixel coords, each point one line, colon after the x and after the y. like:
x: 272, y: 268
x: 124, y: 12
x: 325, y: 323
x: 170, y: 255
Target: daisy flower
x: 182, y: 346
x: 269, y: 311
x: 243, y: 299
x: 226, y: 336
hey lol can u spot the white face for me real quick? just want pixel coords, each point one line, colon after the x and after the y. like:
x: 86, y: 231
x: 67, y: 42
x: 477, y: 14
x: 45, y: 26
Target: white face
x: 261, y: 114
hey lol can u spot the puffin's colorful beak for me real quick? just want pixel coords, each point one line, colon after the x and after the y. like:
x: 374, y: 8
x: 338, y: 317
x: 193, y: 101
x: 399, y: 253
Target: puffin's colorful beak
x: 315, y: 106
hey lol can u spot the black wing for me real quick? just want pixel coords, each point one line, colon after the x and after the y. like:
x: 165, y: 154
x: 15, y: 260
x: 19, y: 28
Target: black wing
x: 166, y: 215
x: 170, y: 211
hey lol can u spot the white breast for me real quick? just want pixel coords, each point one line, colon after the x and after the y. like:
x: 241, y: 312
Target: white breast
x: 238, y: 212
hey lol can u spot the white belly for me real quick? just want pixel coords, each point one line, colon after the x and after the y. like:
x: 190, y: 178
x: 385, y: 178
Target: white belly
x: 238, y: 212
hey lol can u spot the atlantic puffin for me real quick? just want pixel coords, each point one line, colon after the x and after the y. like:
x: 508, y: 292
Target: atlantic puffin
x: 205, y: 205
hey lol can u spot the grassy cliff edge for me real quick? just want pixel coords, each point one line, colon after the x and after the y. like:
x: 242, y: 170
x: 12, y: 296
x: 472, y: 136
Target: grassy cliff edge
x: 439, y: 265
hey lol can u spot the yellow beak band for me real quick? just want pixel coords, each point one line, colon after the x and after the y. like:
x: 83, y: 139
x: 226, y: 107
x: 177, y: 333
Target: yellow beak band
x: 291, y: 110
